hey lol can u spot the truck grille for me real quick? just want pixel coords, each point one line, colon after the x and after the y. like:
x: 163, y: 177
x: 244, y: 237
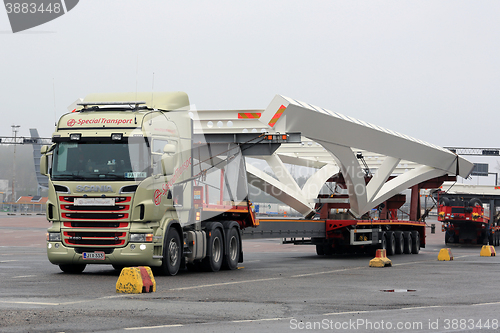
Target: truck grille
x: 95, y: 238
x: 95, y: 225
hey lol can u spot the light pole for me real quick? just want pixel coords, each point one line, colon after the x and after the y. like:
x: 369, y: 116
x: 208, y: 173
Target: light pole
x: 15, y: 129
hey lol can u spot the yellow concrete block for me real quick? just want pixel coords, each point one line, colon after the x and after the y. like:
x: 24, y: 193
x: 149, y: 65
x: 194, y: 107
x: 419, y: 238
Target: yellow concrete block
x: 380, y: 259
x: 135, y: 280
x: 380, y: 262
x: 488, y: 251
x: 445, y: 255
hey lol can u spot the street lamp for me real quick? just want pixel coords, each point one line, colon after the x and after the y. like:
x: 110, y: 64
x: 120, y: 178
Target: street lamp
x: 15, y: 129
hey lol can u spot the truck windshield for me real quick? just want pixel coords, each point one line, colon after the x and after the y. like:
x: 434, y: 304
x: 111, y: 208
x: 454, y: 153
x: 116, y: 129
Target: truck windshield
x: 101, y: 161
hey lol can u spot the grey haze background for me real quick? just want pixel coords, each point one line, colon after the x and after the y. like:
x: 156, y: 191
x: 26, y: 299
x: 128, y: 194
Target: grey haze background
x: 428, y: 69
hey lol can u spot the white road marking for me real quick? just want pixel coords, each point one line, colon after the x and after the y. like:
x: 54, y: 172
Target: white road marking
x: 257, y: 320
x: 23, y: 276
x: 223, y: 284
x: 31, y: 303
x: 151, y: 327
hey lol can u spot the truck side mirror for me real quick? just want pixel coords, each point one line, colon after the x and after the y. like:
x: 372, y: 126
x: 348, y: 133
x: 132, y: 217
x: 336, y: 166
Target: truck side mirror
x: 44, y: 160
x: 168, y: 159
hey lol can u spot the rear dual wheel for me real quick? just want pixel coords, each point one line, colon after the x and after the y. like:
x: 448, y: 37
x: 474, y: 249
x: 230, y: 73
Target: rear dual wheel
x: 215, y: 252
x: 233, y: 250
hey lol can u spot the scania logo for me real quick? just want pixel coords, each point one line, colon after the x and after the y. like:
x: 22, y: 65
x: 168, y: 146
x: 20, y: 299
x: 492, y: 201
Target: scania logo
x: 71, y: 122
x: 94, y: 188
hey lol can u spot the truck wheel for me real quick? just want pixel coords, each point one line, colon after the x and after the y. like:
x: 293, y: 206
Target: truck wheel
x: 415, y: 245
x: 320, y: 249
x: 215, y: 251
x: 171, y: 253
x: 400, y: 242
x: 72, y: 269
x: 408, y: 242
x: 391, y: 243
x: 444, y: 201
x: 233, y: 250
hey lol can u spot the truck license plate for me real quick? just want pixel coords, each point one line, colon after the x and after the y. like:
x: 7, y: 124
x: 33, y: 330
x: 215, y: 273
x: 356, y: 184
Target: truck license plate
x: 94, y: 202
x: 93, y: 256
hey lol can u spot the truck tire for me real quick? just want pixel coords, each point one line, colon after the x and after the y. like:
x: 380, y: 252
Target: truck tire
x: 172, y: 253
x: 415, y: 245
x: 400, y: 242
x: 408, y: 242
x: 475, y: 201
x: 72, y: 268
x: 391, y: 243
x: 320, y: 249
x: 444, y: 201
x: 233, y: 249
x: 215, y: 251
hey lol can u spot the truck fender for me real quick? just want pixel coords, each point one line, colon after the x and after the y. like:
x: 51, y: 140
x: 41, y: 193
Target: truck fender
x: 212, y: 226
x: 227, y: 226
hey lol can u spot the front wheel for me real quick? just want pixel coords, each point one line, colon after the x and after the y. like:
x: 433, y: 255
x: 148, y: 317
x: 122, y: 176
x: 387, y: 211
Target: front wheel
x: 72, y: 269
x: 215, y: 251
x: 171, y: 253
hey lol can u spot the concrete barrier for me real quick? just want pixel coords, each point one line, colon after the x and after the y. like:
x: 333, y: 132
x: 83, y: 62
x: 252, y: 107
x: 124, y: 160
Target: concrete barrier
x: 445, y: 255
x: 380, y: 259
x: 136, y: 280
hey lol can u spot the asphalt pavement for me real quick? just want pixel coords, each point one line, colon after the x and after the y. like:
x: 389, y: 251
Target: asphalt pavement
x: 278, y: 288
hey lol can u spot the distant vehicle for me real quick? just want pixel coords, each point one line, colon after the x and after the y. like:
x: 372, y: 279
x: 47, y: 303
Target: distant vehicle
x: 464, y: 221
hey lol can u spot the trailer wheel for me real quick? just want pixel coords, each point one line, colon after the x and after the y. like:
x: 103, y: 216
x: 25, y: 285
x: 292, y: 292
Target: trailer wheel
x: 320, y: 249
x: 415, y: 245
x: 400, y: 242
x: 233, y: 250
x: 215, y: 251
x: 171, y: 253
x: 408, y: 242
x: 391, y: 243
x: 72, y: 268
x: 383, y: 245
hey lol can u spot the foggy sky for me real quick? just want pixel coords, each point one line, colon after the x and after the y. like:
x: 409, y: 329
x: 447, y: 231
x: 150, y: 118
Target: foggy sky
x: 428, y: 69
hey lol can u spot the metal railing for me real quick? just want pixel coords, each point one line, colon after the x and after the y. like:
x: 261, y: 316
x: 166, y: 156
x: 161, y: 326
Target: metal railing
x: 32, y: 208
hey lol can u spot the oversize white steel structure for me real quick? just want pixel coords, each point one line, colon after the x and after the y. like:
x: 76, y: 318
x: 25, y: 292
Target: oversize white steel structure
x: 334, y: 143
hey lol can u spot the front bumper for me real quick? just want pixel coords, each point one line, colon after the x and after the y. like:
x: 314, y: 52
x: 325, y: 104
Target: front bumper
x: 142, y: 255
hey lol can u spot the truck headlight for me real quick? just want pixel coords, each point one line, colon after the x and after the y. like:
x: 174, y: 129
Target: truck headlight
x: 53, y: 236
x: 141, y: 238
